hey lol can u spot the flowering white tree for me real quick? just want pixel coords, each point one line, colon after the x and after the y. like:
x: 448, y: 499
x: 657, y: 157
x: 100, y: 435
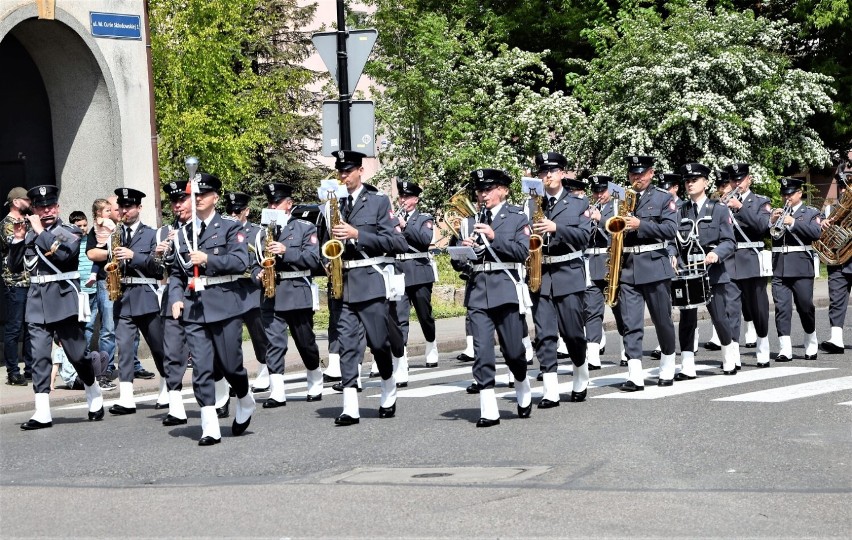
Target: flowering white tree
x: 715, y: 87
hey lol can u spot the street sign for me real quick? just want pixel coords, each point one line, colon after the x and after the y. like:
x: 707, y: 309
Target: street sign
x: 359, y: 44
x: 363, y: 121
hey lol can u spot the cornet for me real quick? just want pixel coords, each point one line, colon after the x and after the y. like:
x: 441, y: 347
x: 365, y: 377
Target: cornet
x: 777, y: 229
x: 735, y: 194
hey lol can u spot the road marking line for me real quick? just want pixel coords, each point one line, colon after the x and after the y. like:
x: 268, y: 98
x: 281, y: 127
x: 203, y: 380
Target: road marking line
x: 796, y: 391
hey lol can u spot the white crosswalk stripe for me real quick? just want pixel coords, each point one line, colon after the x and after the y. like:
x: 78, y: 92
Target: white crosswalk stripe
x: 795, y: 391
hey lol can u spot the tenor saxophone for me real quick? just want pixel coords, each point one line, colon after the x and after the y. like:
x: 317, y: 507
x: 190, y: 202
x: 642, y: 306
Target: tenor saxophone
x: 333, y: 250
x: 615, y: 227
x: 114, y: 269
x: 267, y: 265
x: 536, y: 243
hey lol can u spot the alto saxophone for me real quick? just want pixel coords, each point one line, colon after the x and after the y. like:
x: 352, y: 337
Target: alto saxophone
x: 536, y: 243
x: 114, y: 269
x: 333, y: 249
x: 267, y: 265
x: 615, y: 227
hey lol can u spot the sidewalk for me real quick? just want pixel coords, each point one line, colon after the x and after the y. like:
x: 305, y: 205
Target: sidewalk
x: 450, y: 337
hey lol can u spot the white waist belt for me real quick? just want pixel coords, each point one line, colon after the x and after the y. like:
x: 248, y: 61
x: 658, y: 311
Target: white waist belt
x: 294, y: 274
x: 645, y: 248
x: 216, y: 280
x: 790, y: 249
x: 495, y: 266
x: 561, y: 258
x: 360, y: 263
x: 596, y: 251
x: 55, y: 277
x: 140, y: 281
x: 408, y: 256
x: 749, y: 245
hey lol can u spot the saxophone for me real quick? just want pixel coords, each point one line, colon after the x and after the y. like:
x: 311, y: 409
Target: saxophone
x: 615, y: 227
x: 333, y: 250
x: 113, y: 269
x: 267, y: 265
x: 533, y: 262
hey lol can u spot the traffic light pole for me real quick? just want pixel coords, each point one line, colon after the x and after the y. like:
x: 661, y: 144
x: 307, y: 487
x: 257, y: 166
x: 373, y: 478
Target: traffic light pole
x: 345, y: 99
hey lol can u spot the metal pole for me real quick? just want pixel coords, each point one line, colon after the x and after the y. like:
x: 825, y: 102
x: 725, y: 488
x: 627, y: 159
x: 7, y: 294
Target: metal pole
x: 345, y: 99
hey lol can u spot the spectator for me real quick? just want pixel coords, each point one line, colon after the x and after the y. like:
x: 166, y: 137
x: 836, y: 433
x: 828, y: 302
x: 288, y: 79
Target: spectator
x: 15, y: 297
x: 63, y: 368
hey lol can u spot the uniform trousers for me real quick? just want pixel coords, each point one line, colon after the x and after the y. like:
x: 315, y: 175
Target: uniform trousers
x: 554, y: 316
x: 175, y: 351
x: 218, y: 343
x: 127, y: 330
x: 508, y: 323
x: 357, y: 320
x: 632, y: 299
x: 593, y: 312
x: 839, y: 285
x: 718, y: 309
x: 800, y: 290
x: 256, y: 327
x: 301, y: 325
x: 421, y: 297
x: 70, y: 334
x: 334, y: 307
x: 748, y: 297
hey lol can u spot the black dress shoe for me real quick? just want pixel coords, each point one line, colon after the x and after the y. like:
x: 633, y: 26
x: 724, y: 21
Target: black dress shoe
x: 311, y: 398
x: 665, y: 382
x: 562, y: 355
x: 730, y: 372
x: 238, y: 429
x: 547, y: 404
x: 402, y: 385
x: 258, y: 390
x: 338, y: 387
x: 207, y: 440
x: 224, y: 411
x: 593, y: 368
x: 831, y: 348
x: 810, y: 357
x: 431, y: 364
x: 750, y: 345
x: 524, y: 412
x: 160, y: 406
x: 631, y: 386
x: 329, y: 378
x: 656, y: 354
x: 31, y: 424
x: 387, y: 412
x: 121, y: 410
x: 623, y: 363
x: 96, y: 416
x: 143, y: 374
x: 170, y: 420
x: 464, y: 358
x: 783, y: 358
x: 485, y: 422
x: 738, y: 368
x: 273, y: 404
x: 346, y: 420
x: 473, y: 388
x: 684, y: 377
x: 539, y: 377
x: 16, y: 379
x: 762, y: 364
x: 710, y: 346
x: 577, y: 397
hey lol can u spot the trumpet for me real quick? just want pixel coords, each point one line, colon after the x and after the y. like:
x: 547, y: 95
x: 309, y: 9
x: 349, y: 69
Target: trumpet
x: 777, y: 229
x: 734, y: 194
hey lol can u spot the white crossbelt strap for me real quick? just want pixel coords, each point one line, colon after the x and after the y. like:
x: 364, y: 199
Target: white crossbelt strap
x: 561, y: 258
x: 294, y: 274
x: 140, y: 281
x: 645, y: 248
x: 791, y: 249
x: 360, y: 263
x: 55, y: 277
x: 596, y: 251
x: 408, y: 256
x: 496, y: 266
x: 216, y: 280
x: 749, y: 245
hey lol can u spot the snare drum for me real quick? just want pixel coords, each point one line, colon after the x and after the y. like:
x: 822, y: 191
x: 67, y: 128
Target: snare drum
x: 690, y: 291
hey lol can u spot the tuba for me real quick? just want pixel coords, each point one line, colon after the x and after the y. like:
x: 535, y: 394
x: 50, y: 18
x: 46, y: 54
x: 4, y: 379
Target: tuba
x: 533, y: 262
x: 615, y: 227
x: 458, y: 208
x: 333, y: 249
x: 834, y: 246
x: 267, y: 264
x: 114, y: 269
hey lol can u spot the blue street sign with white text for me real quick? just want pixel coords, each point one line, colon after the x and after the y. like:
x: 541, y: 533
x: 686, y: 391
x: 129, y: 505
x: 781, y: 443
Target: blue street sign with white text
x: 116, y: 25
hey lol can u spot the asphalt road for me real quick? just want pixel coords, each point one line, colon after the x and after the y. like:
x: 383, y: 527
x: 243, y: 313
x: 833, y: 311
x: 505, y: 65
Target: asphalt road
x: 765, y: 453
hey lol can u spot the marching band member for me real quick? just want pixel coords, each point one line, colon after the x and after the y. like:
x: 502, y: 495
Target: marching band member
x: 367, y: 232
x: 500, y: 240
x: 50, y: 251
x: 296, y: 254
x: 647, y: 272
x: 793, y: 229
x: 211, y: 306
x: 712, y: 223
x: 750, y: 213
x: 417, y: 265
x: 558, y: 304
x: 597, y: 256
x: 839, y: 285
